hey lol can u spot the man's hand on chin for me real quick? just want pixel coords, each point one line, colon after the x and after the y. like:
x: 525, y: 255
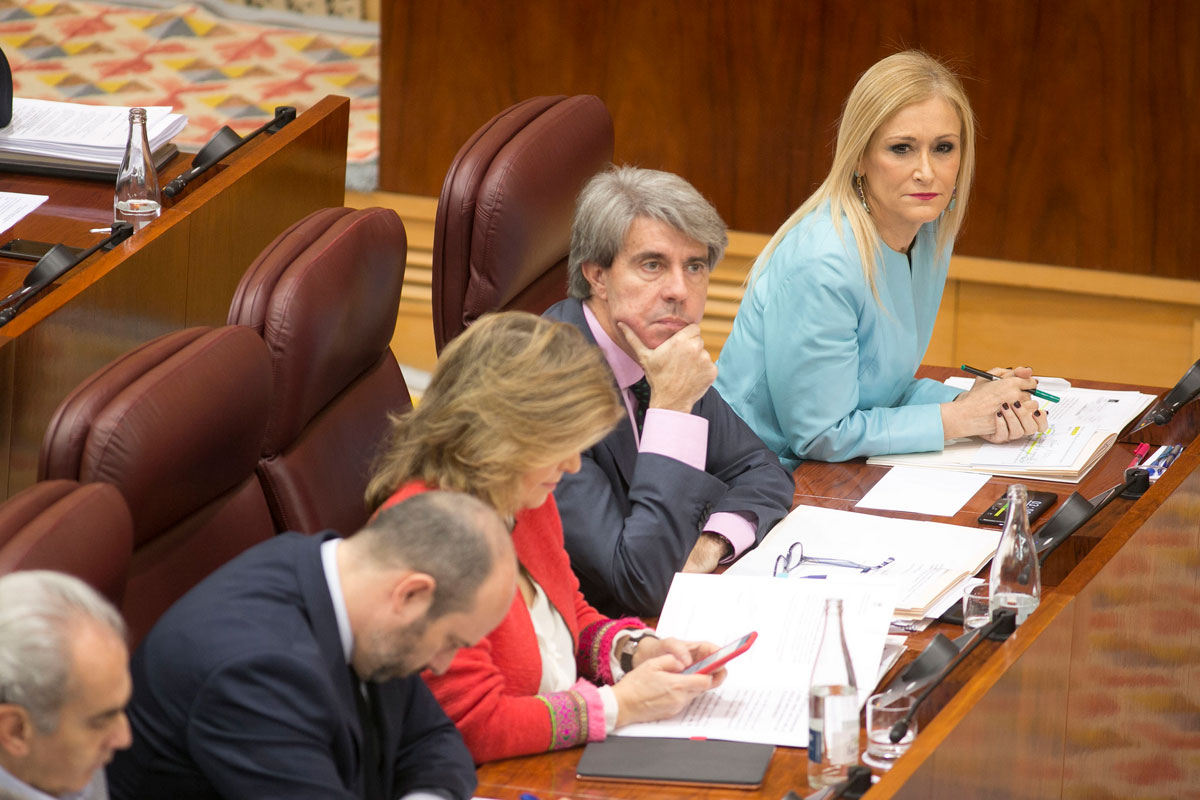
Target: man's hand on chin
x: 679, y: 370
x: 708, y: 552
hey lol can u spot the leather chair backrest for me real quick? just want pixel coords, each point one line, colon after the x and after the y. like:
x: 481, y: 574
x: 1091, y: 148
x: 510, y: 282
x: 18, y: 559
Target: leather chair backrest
x: 324, y: 296
x: 176, y: 426
x: 82, y: 530
x: 503, y: 227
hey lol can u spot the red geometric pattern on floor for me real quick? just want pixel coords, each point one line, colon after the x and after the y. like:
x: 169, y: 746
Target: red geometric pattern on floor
x: 216, y: 71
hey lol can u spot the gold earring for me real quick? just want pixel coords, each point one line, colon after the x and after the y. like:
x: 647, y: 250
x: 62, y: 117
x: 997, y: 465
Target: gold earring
x: 862, y: 196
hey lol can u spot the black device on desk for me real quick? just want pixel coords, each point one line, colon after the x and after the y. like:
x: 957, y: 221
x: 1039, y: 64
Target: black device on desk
x: 703, y: 762
x: 30, y: 250
x: 1036, y: 504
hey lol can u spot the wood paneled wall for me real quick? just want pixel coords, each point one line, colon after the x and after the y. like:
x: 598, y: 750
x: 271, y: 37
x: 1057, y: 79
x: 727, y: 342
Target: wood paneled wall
x: 1087, y: 110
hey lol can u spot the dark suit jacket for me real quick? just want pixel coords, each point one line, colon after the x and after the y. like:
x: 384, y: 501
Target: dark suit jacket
x: 630, y: 520
x: 242, y: 691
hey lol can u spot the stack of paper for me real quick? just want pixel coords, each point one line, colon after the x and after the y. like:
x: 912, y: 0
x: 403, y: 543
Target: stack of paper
x: 80, y: 141
x: 1083, y: 427
x: 765, y: 696
x: 923, y: 563
x: 81, y: 132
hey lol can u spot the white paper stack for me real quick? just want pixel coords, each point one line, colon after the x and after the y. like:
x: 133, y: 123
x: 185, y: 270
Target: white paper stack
x: 924, y: 563
x: 83, y: 133
x: 765, y: 695
x: 1084, y: 426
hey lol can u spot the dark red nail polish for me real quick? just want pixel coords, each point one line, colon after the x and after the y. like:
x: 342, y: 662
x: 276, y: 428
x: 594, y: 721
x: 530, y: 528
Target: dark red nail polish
x: 999, y: 414
x: 1005, y: 406
x: 1037, y: 413
x: 1017, y: 404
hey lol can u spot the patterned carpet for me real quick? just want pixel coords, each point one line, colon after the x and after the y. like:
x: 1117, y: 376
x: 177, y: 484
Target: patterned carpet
x: 218, y: 64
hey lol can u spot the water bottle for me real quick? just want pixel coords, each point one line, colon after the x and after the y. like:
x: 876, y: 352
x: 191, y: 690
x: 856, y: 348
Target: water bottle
x: 136, y: 200
x: 1015, y: 580
x: 832, y: 705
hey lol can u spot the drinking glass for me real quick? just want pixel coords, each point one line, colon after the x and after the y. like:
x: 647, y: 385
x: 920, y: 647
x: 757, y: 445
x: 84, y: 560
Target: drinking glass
x: 884, y: 711
x: 975, y: 607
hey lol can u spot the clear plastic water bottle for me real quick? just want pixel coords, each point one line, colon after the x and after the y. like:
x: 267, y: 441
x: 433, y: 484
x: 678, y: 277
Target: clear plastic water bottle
x: 137, y: 200
x: 1015, y: 580
x: 832, y: 705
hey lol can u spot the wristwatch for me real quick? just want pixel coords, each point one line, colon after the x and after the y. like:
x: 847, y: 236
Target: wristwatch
x: 629, y: 647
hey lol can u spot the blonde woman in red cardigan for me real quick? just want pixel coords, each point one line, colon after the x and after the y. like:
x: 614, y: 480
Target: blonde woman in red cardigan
x: 513, y: 402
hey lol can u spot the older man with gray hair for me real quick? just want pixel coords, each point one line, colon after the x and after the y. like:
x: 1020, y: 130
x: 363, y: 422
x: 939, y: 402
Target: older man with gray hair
x: 64, y: 683
x: 682, y: 483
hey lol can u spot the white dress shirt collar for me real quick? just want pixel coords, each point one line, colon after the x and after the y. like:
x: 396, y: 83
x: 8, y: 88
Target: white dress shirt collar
x: 329, y: 563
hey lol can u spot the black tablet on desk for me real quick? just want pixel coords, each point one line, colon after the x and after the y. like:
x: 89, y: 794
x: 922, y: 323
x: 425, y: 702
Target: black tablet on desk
x: 698, y: 762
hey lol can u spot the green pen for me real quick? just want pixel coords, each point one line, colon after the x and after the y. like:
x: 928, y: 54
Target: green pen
x: 978, y: 373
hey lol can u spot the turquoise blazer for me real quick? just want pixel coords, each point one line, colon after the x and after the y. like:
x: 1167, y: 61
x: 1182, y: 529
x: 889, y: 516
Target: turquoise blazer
x: 819, y: 368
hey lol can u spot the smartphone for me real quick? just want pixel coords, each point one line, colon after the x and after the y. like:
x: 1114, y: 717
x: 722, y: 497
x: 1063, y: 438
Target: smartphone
x: 716, y: 660
x: 29, y: 250
x: 1036, y: 504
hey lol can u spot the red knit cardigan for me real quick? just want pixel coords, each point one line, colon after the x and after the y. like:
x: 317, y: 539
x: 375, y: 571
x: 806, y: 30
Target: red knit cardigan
x: 491, y: 689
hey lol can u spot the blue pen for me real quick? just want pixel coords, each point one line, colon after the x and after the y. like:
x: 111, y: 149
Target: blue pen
x: 1159, y: 453
x: 1160, y: 466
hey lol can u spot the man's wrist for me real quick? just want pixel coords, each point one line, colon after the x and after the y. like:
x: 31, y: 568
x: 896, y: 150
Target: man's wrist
x: 719, y: 543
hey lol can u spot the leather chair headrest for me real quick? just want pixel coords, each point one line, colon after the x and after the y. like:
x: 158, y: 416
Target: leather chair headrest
x: 325, y: 296
x: 507, y: 203
x: 172, y: 427
x: 85, y: 531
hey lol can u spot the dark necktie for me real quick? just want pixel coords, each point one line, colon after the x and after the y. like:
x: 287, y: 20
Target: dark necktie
x: 641, y: 393
x: 367, y: 705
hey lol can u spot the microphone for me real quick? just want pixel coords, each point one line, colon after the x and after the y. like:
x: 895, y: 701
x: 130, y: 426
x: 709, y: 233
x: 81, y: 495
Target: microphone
x: 858, y: 781
x: 1004, y: 622
x: 222, y: 144
x: 58, y: 261
x: 1184, y: 392
x: 1137, y: 481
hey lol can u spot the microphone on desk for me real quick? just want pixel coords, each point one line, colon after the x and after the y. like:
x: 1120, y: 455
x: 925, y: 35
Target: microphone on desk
x: 857, y: 783
x: 1077, y: 510
x: 52, y: 266
x: 222, y: 144
x: 1183, y: 393
x: 1004, y: 622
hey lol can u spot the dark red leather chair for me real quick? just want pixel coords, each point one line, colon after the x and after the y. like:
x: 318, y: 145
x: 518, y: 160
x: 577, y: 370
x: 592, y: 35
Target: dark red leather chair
x: 503, y: 227
x: 175, y: 425
x: 324, y: 297
x: 83, y: 530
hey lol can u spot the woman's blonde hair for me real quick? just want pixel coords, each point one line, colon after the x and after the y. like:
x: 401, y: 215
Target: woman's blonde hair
x: 512, y: 393
x: 888, y: 86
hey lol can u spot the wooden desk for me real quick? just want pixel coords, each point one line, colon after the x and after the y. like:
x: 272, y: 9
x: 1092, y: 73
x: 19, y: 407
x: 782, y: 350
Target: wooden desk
x: 179, y: 271
x: 1096, y: 696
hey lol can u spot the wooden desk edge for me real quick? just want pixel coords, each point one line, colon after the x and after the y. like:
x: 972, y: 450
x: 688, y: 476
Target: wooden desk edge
x: 102, y: 263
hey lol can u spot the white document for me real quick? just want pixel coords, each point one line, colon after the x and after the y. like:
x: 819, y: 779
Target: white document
x: 924, y: 560
x: 765, y: 696
x: 1059, y: 446
x: 1102, y: 412
x: 14, y: 207
x: 1104, y: 409
x: 920, y: 491
x: 82, y: 132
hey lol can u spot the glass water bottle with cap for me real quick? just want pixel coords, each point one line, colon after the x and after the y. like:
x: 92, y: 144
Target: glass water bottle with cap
x: 137, y: 200
x: 832, y: 705
x: 1015, y: 580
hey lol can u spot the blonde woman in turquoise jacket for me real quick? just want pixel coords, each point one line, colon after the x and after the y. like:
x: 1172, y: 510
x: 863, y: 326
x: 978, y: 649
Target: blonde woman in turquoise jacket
x: 840, y: 305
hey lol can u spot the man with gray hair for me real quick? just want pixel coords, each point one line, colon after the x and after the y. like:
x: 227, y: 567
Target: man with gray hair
x: 682, y: 483
x: 64, y: 683
x: 291, y: 671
